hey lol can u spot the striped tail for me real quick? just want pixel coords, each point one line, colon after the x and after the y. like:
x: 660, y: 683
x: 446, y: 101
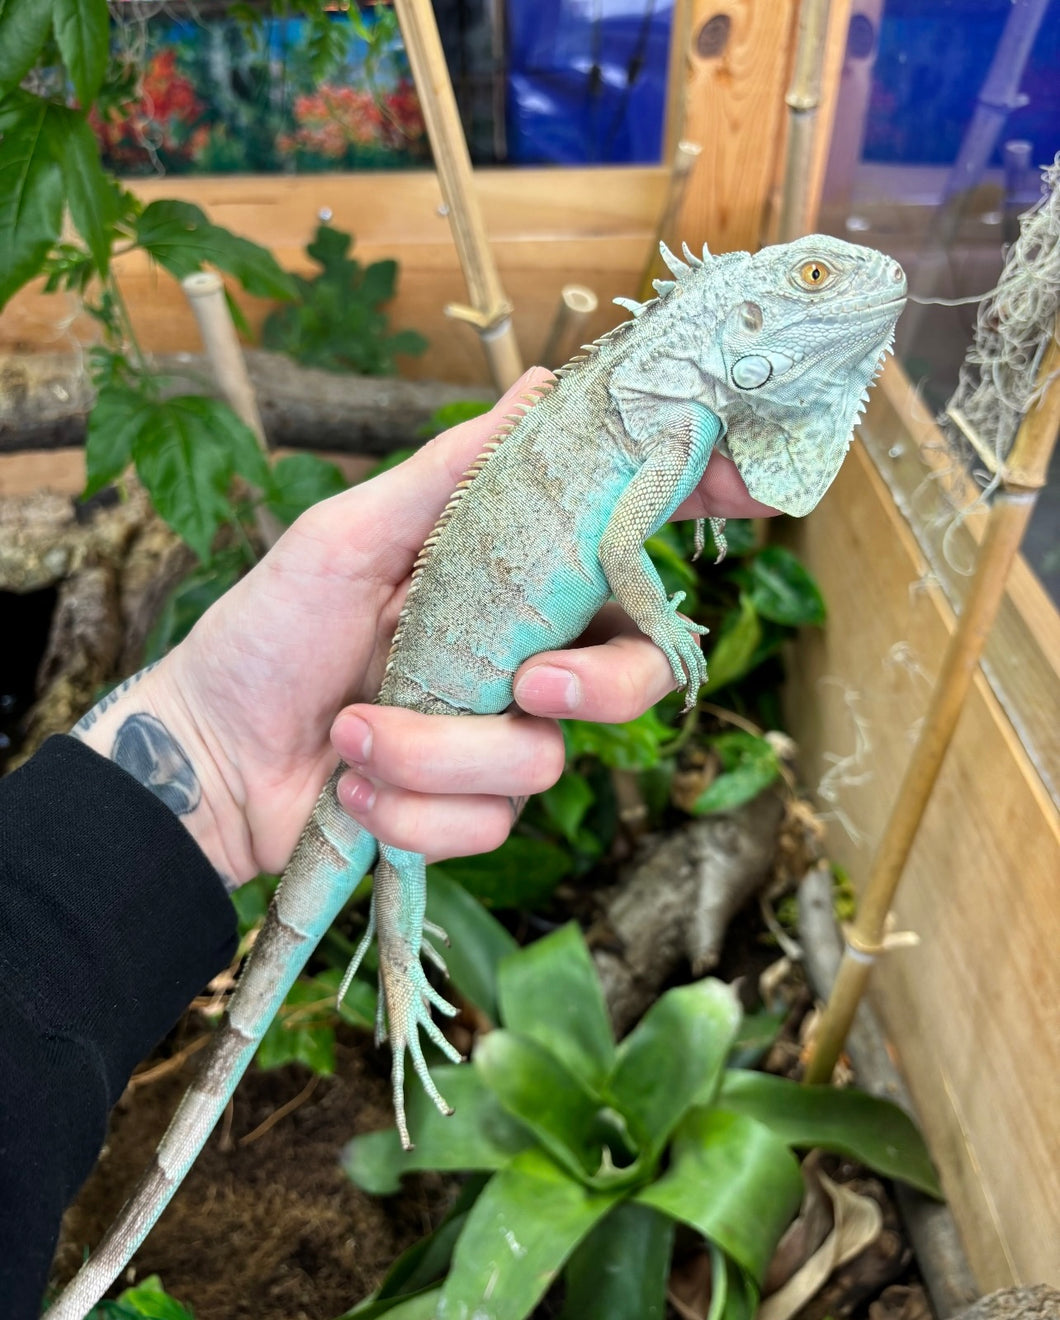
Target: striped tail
x: 332, y: 856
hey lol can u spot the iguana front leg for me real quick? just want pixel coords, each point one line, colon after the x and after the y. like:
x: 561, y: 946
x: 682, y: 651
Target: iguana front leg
x: 672, y: 468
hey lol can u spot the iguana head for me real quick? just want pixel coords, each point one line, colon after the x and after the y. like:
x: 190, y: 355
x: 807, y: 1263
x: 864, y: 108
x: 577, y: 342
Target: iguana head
x: 797, y: 334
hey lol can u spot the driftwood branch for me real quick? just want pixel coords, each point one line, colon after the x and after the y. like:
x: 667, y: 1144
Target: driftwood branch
x: 45, y: 397
x: 674, y: 902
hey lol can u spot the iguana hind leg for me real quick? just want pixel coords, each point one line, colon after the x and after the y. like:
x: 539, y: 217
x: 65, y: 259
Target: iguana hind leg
x: 399, y: 901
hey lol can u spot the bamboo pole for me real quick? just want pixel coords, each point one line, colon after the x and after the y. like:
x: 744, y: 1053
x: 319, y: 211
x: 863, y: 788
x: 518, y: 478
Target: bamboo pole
x: 490, y: 311
x: 684, y: 158
x: 1010, y: 513
x: 803, y: 101
x: 205, y: 294
x: 576, y: 304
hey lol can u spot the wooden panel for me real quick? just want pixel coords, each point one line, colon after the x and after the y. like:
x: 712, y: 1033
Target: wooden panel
x: 739, y: 54
x: 974, y: 1011
x: 548, y: 227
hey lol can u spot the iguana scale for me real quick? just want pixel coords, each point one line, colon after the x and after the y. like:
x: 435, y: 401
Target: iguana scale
x: 771, y: 353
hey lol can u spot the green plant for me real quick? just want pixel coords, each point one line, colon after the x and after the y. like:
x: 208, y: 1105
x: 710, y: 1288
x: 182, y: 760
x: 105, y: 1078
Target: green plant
x: 336, y: 321
x: 596, y: 1152
x: 186, y: 450
x: 147, y: 1300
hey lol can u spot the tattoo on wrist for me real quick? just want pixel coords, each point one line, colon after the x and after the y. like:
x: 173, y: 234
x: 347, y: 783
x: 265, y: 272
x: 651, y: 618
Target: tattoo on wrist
x: 149, y: 752
x: 104, y: 704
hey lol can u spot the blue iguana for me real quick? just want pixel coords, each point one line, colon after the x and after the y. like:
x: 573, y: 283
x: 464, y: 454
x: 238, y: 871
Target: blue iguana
x: 768, y: 355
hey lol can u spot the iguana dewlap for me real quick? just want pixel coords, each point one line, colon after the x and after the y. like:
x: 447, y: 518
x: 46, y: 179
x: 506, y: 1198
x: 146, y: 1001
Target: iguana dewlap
x: 772, y: 351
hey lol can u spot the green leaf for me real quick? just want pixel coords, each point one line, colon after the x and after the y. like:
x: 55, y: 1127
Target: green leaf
x: 186, y: 451
x: 377, y: 283
x: 545, y: 1097
x: 426, y: 1261
x: 479, y: 1134
x: 673, y: 1059
x: 550, y: 992
x: 864, y: 1128
x: 734, y: 1294
x: 734, y: 650
x: 24, y: 28
x: 453, y: 414
x: 189, y: 601
x: 31, y: 189
x: 740, y: 537
x: 522, y: 872
x: 92, y: 198
x: 302, y: 1031
x: 82, y: 32
x: 668, y: 555
x: 518, y: 1235
x: 749, y: 764
x: 635, y: 745
x: 251, y: 901
x: 566, y: 803
x: 478, y: 941
x: 781, y: 589
x: 299, y: 481
x: 419, y: 1306
x: 620, y: 1271
x: 116, y: 419
x: 409, y: 343
x: 181, y: 239
x: 732, y: 1179
x: 151, y: 1300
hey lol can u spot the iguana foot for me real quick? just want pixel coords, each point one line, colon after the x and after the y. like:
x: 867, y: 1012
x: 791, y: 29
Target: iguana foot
x: 398, y: 902
x: 673, y: 634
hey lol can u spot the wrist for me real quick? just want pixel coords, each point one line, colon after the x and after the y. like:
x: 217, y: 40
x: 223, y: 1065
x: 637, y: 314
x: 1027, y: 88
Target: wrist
x: 145, y: 727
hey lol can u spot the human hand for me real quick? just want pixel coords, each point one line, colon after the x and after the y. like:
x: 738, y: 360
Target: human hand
x: 248, y: 699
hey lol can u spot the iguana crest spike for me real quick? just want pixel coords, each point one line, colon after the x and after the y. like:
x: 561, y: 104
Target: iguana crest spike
x: 674, y: 263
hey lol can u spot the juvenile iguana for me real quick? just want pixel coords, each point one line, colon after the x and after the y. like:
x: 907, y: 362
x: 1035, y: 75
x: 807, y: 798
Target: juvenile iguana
x: 774, y: 352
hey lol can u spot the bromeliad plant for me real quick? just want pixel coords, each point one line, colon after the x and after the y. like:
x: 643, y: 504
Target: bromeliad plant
x: 596, y: 1152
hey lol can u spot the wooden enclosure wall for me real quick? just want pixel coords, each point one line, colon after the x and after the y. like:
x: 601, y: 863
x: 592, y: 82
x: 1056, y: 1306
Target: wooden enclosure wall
x: 973, y: 1010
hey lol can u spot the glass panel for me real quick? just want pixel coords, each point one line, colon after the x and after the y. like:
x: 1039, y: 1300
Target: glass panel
x: 948, y: 111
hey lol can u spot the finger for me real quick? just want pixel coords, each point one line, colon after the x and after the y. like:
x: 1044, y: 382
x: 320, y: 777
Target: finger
x: 611, y: 682
x: 506, y: 755
x: 436, y: 824
x: 722, y: 493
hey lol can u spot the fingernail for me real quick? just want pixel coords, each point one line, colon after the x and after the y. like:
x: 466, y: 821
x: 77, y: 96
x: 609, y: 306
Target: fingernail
x: 550, y: 690
x: 352, y: 738
x: 355, y: 793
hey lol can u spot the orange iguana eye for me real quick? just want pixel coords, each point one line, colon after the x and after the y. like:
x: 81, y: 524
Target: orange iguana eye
x: 814, y: 274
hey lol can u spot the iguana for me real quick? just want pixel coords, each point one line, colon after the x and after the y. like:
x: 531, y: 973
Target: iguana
x: 769, y: 356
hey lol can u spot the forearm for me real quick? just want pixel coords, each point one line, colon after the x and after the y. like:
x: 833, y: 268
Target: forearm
x: 144, y: 726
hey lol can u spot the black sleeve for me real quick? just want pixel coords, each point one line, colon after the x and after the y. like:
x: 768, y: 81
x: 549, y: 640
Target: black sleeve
x: 111, y: 920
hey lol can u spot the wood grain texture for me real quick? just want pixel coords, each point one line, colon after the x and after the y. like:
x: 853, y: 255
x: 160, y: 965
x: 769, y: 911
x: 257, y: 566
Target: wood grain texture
x: 974, y: 1010
x: 738, y: 64
x: 548, y: 228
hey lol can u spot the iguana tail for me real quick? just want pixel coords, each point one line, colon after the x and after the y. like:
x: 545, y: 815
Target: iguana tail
x: 332, y: 856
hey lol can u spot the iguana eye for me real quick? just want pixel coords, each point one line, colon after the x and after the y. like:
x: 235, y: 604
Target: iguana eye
x: 814, y: 274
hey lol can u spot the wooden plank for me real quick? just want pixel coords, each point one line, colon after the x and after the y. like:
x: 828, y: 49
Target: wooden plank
x: 738, y: 59
x: 548, y: 228
x: 974, y: 1010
